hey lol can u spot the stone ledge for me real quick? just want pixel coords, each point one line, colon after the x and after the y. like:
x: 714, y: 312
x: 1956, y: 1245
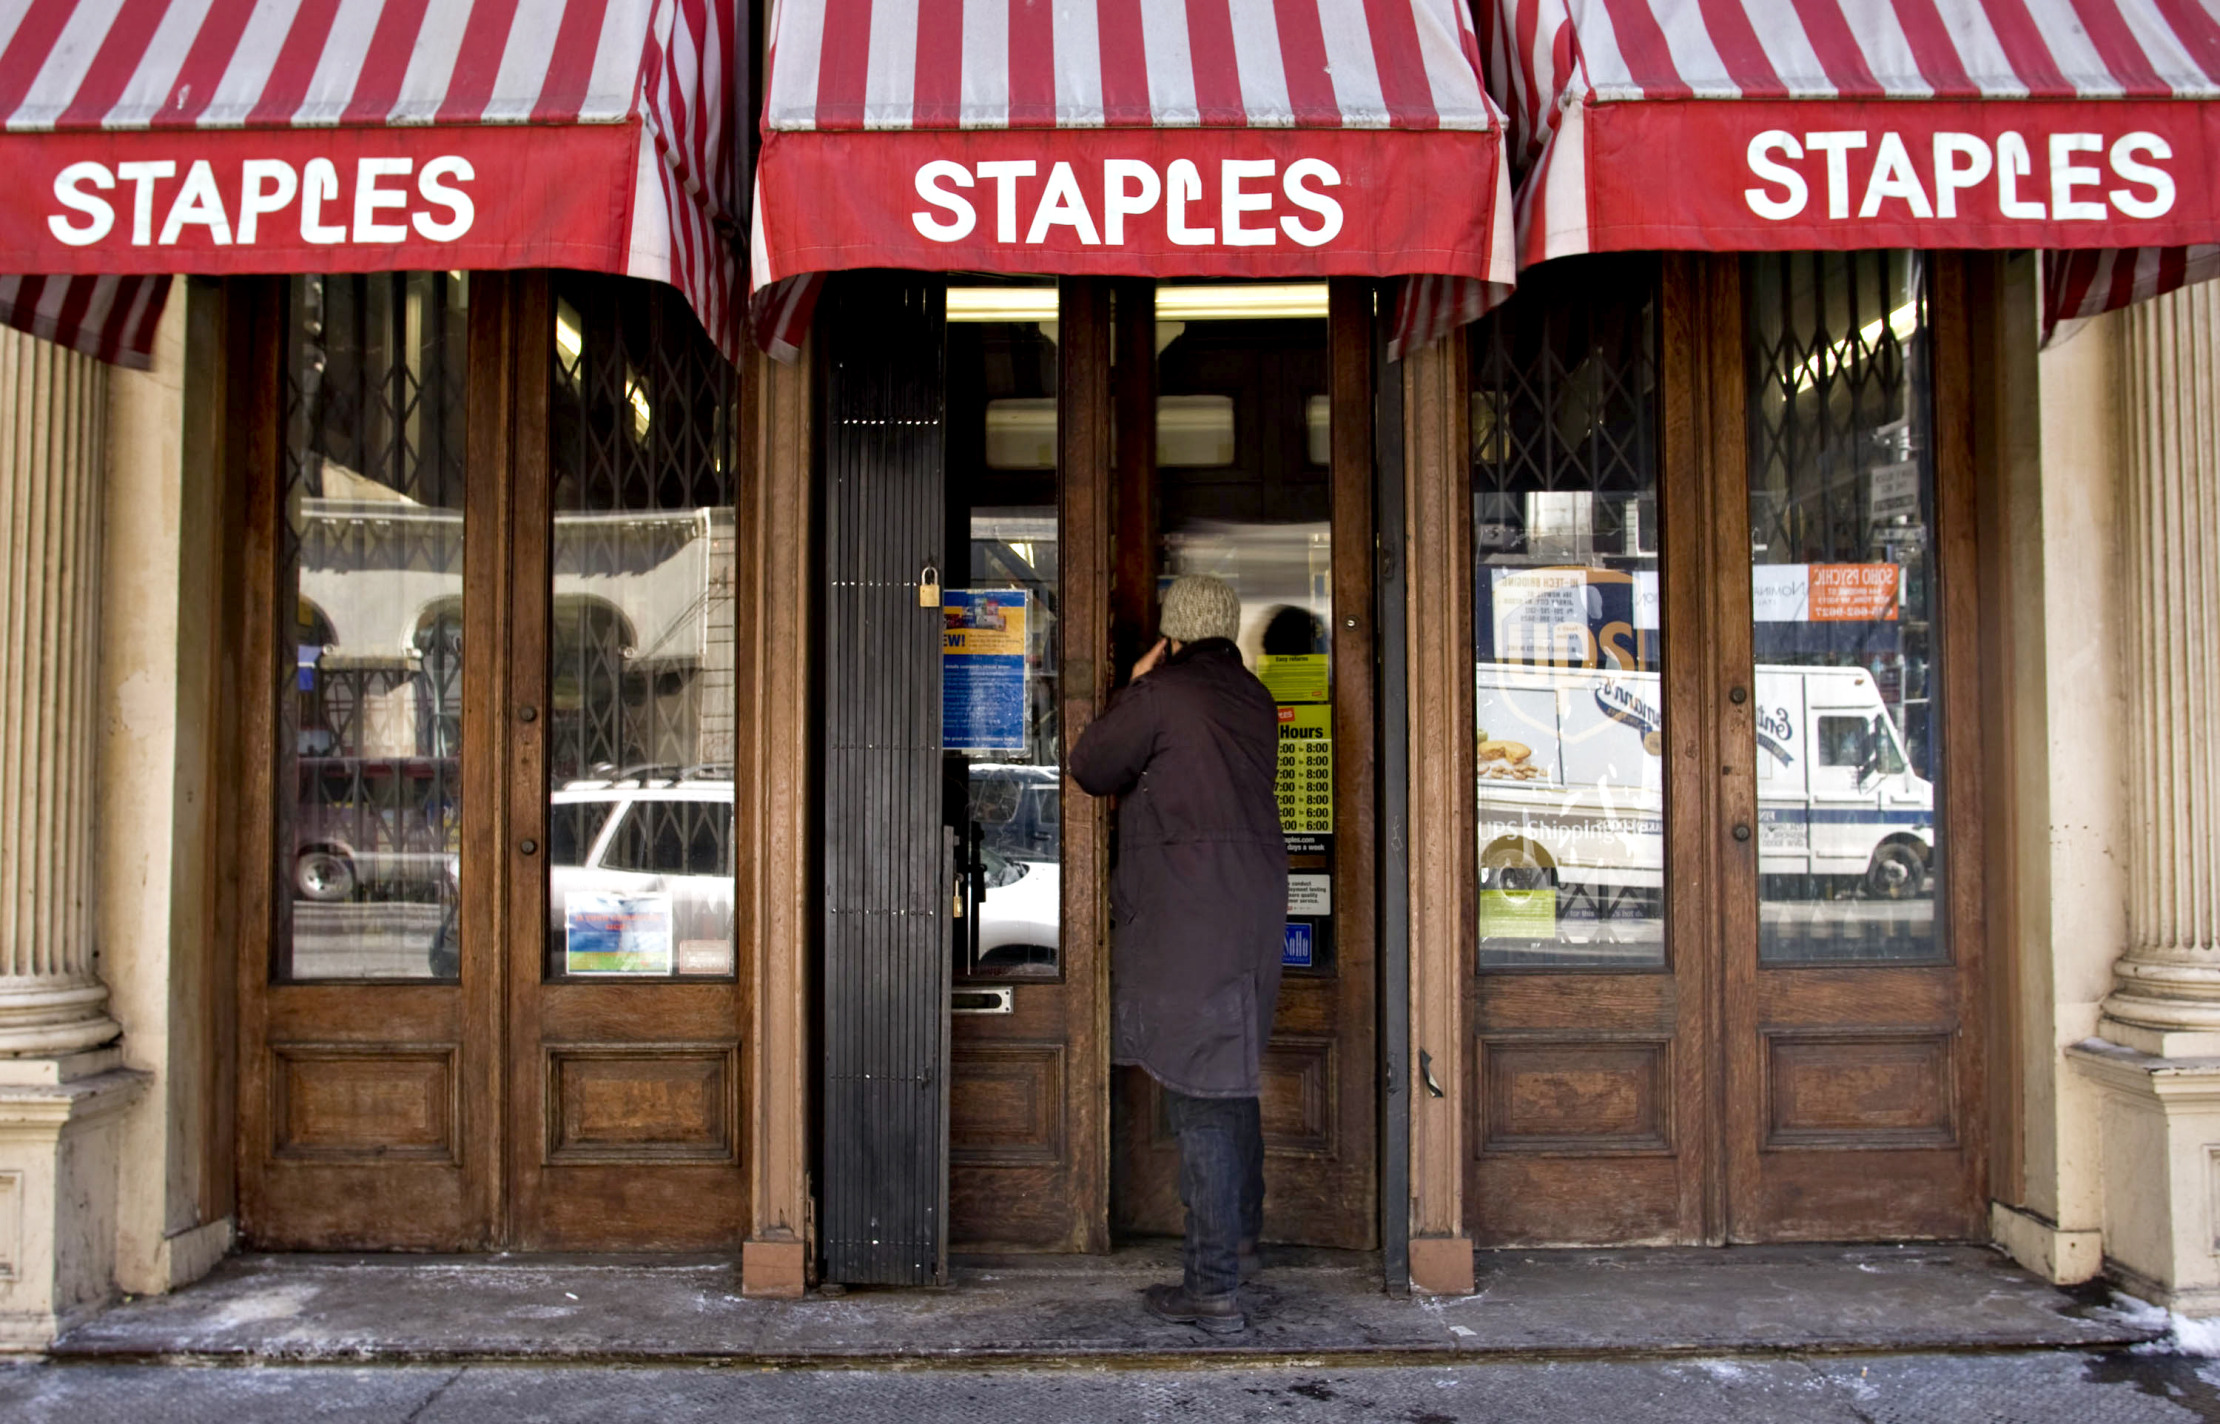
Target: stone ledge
x: 2186, y: 1081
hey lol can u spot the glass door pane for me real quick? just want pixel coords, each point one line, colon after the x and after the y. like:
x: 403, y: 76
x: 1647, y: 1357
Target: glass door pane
x: 640, y: 710
x: 1569, y: 643
x: 1001, y: 653
x: 1842, y: 580
x: 370, y: 737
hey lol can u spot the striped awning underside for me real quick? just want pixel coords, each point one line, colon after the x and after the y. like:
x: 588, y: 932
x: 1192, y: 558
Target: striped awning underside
x: 664, y: 68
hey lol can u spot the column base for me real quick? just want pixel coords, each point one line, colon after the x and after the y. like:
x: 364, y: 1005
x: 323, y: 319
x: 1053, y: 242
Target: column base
x: 778, y: 1270
x: 59, y: 1162
x: 2159, y: 1042
x: 1441, y: 1265
x: 2061, y: 1256
x: 2159, y: 1128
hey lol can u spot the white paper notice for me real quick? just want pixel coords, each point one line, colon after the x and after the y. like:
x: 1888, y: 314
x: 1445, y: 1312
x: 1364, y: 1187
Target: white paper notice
x: 1310, y: 894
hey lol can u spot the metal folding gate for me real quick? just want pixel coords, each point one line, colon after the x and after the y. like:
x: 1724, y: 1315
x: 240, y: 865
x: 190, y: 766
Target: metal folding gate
x: 888, y: 864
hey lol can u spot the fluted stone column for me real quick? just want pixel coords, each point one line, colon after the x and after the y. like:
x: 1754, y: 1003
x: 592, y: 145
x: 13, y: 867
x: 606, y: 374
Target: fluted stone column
x: 2156, y: 1059
x: 53, y: 413
x: 2166, y: 995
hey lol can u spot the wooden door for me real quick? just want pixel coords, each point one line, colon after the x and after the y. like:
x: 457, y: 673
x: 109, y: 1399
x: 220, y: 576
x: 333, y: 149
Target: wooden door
x: 497, y: 615
x: 619, y: 716
x: 1286, y: 488
x: 1588, y: 1007
x: 369, y: 1112
x: 1726, y: 940
x: 1849, y: 922
x: 1029, y: 392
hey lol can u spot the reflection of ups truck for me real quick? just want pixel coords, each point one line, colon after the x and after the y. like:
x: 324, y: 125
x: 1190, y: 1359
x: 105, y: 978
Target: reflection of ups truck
x: 1571, y: 769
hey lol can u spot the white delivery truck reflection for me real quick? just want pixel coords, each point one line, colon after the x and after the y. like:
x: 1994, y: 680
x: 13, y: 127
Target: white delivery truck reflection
x: 1571, y: 769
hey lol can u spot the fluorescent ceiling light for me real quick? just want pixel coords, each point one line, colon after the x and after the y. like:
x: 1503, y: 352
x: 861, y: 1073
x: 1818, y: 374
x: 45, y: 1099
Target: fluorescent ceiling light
x: 1205, y: 303
x: 1264, y: 299
x: 1002, y: 304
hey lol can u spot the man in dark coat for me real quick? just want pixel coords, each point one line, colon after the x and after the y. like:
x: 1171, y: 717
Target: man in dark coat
x: 1198, y: 913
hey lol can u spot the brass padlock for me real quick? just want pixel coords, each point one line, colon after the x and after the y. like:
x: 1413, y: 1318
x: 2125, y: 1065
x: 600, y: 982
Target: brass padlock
x: 928, y: 587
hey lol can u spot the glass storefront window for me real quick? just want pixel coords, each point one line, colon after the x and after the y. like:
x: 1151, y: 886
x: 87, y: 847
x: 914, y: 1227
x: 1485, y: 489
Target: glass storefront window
x: 1569, y: 642
x: 641, y: 714
x: 1000, y: 656
x: 1842, y: 504
x: 371, y: 729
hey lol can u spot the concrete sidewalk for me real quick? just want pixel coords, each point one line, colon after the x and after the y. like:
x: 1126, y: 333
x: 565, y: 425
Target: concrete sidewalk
x: 2043, y: 1387
x: 1311, y: 1305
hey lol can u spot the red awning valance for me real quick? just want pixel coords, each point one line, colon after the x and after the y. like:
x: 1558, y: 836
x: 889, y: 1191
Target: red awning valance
x: 1125, y: 137
x: 1757, y: 125
x: 148, y: 137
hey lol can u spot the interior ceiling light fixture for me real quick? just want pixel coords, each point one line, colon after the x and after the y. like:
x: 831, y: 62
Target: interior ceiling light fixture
x: 1204, y: 303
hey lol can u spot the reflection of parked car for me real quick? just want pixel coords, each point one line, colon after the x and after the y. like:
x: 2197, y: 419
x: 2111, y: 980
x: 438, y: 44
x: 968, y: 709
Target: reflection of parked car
x: 658, y: 832
x: 1020, y: 916
x: 373, y: 822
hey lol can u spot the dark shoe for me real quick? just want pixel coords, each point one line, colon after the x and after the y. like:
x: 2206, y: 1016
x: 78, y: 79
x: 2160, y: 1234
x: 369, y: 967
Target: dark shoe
x: 1221, y: 1316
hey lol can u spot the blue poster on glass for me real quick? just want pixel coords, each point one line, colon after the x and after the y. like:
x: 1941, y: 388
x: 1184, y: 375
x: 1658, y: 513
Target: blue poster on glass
x: 982, y: 669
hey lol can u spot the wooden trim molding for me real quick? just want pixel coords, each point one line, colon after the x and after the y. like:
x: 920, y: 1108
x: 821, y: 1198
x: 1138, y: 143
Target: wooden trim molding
x: 1085, y: 411
x: 1439, y: 558
x: 773, y: 626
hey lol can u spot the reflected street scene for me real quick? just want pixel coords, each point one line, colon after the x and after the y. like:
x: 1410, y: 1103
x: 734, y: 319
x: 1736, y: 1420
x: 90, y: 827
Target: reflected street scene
x: 1568, y: 639
x: 1841, y: 584
x: 372, y: 735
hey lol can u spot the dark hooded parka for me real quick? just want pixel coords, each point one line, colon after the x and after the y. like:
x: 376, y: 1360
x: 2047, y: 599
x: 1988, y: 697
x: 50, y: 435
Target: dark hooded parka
x: 1198, y: 903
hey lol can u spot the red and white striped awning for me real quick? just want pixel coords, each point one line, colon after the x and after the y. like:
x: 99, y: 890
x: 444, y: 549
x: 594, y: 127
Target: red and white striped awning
x: 1754, y: 125
x: 1224, y: 138
x: 149, y: 137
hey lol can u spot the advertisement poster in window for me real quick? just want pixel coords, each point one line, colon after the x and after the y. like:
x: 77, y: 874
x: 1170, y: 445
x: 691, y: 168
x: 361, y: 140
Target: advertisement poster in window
x: 983, y: 669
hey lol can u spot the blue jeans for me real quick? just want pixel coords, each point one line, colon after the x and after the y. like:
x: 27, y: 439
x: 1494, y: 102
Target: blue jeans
x: 1221, y: 1183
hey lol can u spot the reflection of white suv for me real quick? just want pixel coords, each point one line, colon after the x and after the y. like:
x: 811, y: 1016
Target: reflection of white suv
x: 660, y: 838
x: 666, y: 835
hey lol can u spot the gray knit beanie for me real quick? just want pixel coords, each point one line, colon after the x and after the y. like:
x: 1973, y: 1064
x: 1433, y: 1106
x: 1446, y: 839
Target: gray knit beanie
x: 1198, y: 606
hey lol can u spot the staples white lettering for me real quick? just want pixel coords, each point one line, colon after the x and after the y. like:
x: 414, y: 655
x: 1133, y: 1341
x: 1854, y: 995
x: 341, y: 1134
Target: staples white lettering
x: 1233, y: 202
x: 1061, y: 206
x: 142, y: 177
x: 2066, y: 175
x: 1183, y: 185
x: 2013, y: 164
x: 1950, y: 177
x: 256, y: 199
x: 69, y: 191
x: 2160, y: 182
x: 1836, y: 145
x: 1329, y: 211
x: 1892, y: 177
x: 962, y: 217
x: 1118, y: 203
x: 370, y: 199
x: 197, y: 201
x: 430, y: 182
x: 319, y: 185
x: 1795, y: 192
x: 1005, y: 174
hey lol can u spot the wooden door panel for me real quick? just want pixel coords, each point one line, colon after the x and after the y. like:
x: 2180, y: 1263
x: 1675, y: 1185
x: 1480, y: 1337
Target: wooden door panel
x: 368, y: 1110
x: 1853, y: 1087
x: 1587, y: 1091
x: 1011, y: 1143
x: 1028, y: 1090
